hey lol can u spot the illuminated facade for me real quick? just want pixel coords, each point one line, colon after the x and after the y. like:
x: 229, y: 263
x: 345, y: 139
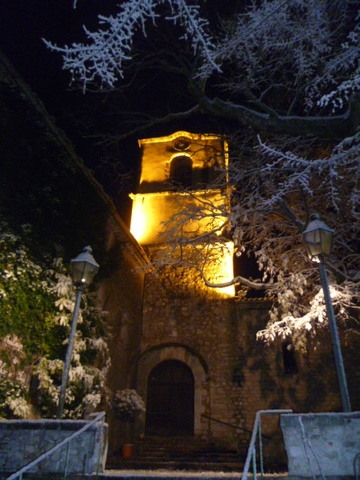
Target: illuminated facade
x: 189, y: 331
x: 174, y: 203
x: 198, y: 365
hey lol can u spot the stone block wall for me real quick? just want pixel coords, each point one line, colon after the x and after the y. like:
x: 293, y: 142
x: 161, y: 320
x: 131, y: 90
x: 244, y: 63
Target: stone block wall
x: 180, y: 311
x: 323, y: 444
x: 235, y: 375
x: 22, y: 441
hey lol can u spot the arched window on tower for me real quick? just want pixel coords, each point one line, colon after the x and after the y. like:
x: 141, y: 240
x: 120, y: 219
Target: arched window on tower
x: 181, y: 171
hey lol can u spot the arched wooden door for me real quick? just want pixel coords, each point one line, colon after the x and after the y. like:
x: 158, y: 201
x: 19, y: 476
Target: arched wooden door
x: 170, y: 400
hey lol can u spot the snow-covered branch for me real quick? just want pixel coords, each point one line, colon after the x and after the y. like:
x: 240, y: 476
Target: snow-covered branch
x: 103, y: 57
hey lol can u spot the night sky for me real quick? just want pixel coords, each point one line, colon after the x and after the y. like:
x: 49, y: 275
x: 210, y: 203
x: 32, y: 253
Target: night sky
x: 23, y: 24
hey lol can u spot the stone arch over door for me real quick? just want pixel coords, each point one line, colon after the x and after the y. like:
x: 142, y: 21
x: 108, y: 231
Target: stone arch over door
x: 157, y: 355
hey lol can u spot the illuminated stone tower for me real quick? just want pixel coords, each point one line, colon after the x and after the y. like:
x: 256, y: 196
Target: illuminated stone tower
x: 174, y: 199
x: 197, y: 363
x: 183, y: 317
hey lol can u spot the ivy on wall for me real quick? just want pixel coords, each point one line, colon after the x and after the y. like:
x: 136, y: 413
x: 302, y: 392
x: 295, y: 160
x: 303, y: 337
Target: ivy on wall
x: 36, y: 305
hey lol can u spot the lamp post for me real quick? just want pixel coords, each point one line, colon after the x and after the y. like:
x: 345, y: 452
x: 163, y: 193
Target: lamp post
x: 317, y: 239
x: 83, y: 270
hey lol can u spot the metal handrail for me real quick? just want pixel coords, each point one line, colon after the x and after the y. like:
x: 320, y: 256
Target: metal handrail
x: 231, y: 425
x: 251, y: 455
x: 18, y: 474
x: 227, y: 424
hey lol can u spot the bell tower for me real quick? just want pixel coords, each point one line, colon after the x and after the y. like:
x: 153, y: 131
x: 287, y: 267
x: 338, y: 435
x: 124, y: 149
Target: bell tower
x: 181, y: 196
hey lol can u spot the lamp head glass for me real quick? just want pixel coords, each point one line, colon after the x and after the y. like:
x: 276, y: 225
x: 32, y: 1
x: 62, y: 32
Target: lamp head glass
x: 317, y: 238
x: 83, y: 268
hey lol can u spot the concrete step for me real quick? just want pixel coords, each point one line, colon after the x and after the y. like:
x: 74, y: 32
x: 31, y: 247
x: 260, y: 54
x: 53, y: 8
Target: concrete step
x: 159, y: 475
x: 183, y: 453
x: 181, y: 465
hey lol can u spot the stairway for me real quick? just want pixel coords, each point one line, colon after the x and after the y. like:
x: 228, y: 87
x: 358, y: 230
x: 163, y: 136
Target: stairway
x: 177, y: 453
x: 169, y: 458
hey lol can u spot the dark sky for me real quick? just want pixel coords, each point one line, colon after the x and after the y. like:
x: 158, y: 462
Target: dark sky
x: 23, y: 24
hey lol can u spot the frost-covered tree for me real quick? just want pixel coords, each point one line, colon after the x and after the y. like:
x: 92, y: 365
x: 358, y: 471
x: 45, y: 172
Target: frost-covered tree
x: 36, y: 306
x: 282, y: 80
x: 276, y: 65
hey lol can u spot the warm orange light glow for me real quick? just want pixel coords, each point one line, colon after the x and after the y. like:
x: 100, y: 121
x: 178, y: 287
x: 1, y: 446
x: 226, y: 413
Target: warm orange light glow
x: 181, y: 214
x: 220, y: 269
x: 228, y: 270
x: 148, y: 213
x: 158, y: 152
x: 163, y: 219
x: 139, y: 220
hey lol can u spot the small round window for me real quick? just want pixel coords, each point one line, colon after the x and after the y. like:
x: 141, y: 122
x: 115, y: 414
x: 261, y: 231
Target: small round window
x: 181, y: 144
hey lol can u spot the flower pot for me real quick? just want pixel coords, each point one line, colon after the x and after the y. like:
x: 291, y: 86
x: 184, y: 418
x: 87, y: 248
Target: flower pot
x: 127, y: 450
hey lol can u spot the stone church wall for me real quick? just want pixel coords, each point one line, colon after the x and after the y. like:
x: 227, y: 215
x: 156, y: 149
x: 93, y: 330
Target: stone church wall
x: 180, y: 312
x: 242, y: 375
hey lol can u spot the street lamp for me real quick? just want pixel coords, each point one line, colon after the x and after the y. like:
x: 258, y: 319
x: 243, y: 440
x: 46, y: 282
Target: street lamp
x: 83, y: 270
x: 317, y: 239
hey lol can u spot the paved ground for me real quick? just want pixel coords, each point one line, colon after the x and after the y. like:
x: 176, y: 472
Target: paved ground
x: 182, y: 474
x: 172, y: 474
